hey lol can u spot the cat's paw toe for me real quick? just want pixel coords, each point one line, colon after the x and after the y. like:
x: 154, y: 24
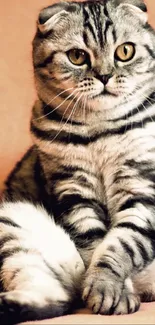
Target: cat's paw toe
x: 102, y: 291
x: 129, y: 303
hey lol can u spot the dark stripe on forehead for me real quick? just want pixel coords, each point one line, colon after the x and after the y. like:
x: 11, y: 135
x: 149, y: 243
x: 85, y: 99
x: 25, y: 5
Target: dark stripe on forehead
x: 96, y: 15
x: 106, y: 10
x: 93, y: 11
x: 100, y: 20
x: 100, y: 28
x: 114, y: 35
x: 85, y: 39
x: 108, y: 23
x: 88, y: 25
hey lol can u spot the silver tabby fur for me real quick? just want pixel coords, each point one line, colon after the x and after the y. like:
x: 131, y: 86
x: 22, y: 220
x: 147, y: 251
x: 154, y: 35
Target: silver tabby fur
x: 78, y: 215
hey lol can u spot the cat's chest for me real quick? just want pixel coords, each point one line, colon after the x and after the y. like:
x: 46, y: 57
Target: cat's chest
x: 109, y: 153
x: 114, y: 150
x: 112, y: 155
x: 108, y: 156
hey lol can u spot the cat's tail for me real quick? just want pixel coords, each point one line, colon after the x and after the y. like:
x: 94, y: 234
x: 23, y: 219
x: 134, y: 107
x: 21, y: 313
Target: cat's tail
x: 40, y: 268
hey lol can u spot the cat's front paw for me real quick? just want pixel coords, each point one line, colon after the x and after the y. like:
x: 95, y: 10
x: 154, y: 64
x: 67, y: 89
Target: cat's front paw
x: 106, y: 294
x: 102, y: 291
x: 129, y: 303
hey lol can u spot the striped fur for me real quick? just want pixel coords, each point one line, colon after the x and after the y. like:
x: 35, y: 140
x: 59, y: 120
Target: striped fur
x: 91, y: 169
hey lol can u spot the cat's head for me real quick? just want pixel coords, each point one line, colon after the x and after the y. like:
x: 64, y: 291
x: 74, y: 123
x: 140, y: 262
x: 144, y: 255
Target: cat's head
x: 100, y: 51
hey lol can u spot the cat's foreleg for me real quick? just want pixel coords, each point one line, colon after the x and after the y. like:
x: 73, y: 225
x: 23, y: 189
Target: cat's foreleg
x: 126, y: 250
x: 85, y: 219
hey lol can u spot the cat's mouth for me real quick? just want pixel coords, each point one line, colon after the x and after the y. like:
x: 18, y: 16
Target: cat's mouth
x: 106, y: 92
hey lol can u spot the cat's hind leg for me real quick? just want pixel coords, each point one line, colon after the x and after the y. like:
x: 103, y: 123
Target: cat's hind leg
x: 40, y: 268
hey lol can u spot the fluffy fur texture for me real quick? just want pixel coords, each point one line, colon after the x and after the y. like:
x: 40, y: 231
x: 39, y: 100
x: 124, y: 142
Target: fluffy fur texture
x: 83, y: 196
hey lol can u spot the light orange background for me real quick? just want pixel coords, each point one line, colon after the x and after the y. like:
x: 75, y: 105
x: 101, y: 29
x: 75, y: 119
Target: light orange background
x: 17, y: 94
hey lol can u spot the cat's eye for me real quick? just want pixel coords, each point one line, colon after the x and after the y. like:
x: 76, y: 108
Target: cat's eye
x: 77, y: 57
x: 125, y: 52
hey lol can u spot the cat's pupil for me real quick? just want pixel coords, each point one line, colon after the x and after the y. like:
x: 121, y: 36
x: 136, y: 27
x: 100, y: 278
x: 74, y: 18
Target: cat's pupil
x: 79, y: 54
x: 125, y: 50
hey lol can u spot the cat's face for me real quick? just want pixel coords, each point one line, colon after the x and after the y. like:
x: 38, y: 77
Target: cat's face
x: 100, y: 55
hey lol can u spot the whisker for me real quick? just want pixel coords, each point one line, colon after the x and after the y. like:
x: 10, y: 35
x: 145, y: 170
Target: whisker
x: 66, y: 120
x: 85, y: 102
x: 140, y: 117
x: 41, y: 117
x: 69, y: 106
x: 75, y: 108
x: 126, y: 118
x: 146, y: 109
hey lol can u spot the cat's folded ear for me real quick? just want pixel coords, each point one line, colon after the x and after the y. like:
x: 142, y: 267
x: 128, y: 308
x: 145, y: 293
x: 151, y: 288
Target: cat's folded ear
x: 51, y: 16
x: 137, y: 7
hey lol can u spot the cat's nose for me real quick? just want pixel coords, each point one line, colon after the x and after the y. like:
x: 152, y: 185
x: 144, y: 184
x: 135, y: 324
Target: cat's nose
x: 105, y: 78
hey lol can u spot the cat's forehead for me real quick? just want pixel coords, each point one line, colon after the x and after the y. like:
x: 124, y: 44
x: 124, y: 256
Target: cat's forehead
x: 100, y: 19
x: 97, y: 26
x: 94, y: 26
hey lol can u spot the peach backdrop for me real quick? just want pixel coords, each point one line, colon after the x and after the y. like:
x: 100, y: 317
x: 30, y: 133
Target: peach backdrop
x: 17, y: 94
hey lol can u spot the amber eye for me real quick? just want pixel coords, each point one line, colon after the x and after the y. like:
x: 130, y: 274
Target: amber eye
x: 77, y: 57
x: 125, y: 52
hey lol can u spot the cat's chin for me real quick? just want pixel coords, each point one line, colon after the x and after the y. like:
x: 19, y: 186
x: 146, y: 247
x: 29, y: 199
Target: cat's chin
x: 105, y: 100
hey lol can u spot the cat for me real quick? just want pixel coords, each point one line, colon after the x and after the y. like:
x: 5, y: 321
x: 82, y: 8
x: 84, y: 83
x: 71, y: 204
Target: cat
x: 77, y: 219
